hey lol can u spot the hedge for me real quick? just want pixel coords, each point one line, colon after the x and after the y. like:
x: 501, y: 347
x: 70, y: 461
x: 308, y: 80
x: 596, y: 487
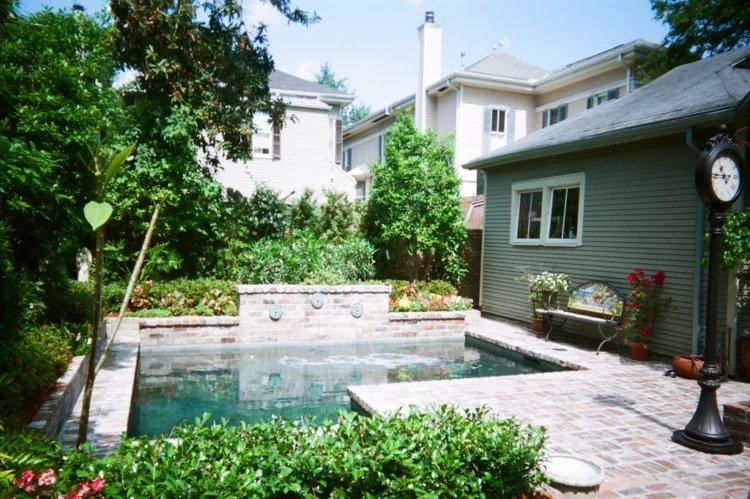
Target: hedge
x: 438, y: 452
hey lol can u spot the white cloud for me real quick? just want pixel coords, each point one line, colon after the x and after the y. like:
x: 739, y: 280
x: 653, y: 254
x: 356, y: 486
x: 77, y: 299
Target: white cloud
x: 262, y: 12
x: 124, y: 78
x: 306, y: 69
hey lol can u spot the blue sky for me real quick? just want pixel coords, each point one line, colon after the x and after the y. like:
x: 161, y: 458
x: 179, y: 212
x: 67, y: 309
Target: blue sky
x: 373, y: 42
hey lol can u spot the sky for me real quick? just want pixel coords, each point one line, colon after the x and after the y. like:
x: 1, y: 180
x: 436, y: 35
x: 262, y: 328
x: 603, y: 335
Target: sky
x: 373, y: 43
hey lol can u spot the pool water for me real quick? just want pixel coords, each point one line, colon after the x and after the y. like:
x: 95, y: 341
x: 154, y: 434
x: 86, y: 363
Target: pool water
x: 252, y: 384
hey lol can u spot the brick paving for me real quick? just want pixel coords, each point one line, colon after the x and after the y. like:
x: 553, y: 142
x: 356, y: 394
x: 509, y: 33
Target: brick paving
x: 614, y: 412
x: 110, y: 401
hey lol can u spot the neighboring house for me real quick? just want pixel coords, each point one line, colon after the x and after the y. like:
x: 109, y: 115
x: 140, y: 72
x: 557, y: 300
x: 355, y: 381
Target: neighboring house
x: 492, y: 103
x: 627, y: 172
x: 305, y: 152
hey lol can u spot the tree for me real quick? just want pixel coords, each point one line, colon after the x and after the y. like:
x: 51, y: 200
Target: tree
x: 352, y: 112
x: 697, y: 28
x: 202, y: 76
x: 415, y: 202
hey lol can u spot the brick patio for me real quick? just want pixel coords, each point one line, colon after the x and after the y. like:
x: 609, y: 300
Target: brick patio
x: 617, y: 413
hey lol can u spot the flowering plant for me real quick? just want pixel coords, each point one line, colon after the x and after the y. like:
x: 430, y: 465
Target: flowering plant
x: 549, y: 281
x: 429, y: 302
x: 43, y: 485
x: 644, y: 305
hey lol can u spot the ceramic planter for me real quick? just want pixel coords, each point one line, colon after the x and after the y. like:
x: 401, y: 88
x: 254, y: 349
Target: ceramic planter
x: 639, y: 351
x: 688, y: 365
x: 539, y: 326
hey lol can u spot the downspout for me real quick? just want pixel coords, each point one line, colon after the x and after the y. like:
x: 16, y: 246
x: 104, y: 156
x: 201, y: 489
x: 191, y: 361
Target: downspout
x: 628, y: 86
x: 459, y: 92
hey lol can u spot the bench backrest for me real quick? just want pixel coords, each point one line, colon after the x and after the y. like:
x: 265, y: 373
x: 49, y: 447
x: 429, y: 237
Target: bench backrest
x: 597, y: 299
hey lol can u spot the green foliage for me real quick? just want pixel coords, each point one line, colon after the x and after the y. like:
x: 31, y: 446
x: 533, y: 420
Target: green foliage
x: 735, y: 245
x: 351, y: 113
x: 304, y: 211
x: 422, y: 296
x: 269, y: 215
x: 355, y: 112
x: 697, y: 28
x: 438, y: 452
x: 22, y: 449
x: 303, y: 257
x: 37, y: 357
x: 336, y: 221
x: 415, y: 204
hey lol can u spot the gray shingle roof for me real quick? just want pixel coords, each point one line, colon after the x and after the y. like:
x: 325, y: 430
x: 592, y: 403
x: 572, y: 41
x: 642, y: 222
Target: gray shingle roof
x: 280, y: 80
x: 608, y: 52
x: 705, y: 87
x: 501, y: 64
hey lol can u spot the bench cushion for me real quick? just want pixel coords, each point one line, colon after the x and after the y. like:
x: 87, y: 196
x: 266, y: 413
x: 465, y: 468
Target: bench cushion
x: 598, y: 299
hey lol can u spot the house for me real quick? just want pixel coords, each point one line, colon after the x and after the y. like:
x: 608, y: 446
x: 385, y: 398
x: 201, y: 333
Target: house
x: 627, y: 169
x: 492, y: 103
x: 305, y: 152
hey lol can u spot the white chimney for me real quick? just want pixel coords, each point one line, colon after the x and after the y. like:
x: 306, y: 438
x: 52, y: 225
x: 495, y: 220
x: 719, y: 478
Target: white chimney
x: 429, y: 57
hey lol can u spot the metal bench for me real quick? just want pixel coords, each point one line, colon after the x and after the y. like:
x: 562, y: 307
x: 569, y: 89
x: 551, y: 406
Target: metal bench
x: 593, y: 302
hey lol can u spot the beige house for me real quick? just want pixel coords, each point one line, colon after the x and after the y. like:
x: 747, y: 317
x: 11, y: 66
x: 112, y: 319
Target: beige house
x: 305, y: 152
x: 491, y: 103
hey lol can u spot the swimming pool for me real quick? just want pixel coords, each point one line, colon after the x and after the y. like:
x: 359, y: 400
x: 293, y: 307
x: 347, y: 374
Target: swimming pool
x: 252, y: 384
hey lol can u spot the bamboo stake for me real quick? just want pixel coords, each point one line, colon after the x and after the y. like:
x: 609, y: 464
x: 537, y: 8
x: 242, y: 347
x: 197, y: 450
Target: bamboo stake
x: 131, y: 284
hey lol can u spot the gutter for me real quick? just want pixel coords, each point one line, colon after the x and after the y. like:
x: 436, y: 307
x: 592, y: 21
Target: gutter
x: 628, y: 85
x: 366, y: 122
x: 613, y: 138
x: 459, y: 98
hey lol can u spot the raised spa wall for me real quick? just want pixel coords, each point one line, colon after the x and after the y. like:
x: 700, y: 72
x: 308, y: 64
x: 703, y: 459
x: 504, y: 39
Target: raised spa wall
x: 296, y: 320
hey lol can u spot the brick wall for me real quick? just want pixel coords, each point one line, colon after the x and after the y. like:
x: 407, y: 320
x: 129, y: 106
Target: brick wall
x: 300, y: 322
x: 737, y: 421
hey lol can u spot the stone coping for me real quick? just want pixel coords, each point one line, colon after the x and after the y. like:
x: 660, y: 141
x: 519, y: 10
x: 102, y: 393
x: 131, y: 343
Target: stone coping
x: 56, y: 408
x: 254, y: 289
x: 426, y: 316
x: 190, y: 321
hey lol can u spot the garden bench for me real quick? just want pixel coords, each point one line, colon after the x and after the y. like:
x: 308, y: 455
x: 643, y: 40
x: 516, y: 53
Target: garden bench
x: 593, y: 302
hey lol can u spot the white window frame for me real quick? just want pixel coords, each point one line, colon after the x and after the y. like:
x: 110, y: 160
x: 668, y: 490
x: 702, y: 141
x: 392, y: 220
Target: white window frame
x: 505, y: 120
x: 364, y: 190
x: 263, y: 135
x: 347, y: 159
x: 547, y: 185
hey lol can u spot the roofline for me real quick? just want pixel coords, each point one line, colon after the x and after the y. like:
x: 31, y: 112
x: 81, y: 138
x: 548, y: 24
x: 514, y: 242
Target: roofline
x: 326, y: 97
x: 608, y: 139
x: 366, y: 122
x: 482, y: 80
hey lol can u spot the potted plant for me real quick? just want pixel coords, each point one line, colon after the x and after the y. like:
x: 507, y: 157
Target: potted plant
x: 644, y: 305
x: 543, y: 289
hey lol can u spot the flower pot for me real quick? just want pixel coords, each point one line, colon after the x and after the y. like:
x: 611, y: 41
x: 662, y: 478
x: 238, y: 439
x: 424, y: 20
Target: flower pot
x: 688, y: 365
x: 538, y: 326
x: 744, y: 359
x: 639, y: 351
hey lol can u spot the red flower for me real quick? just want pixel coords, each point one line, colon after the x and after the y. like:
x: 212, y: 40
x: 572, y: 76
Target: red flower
x: 638, y: 271
x: 644, y: 331
x: 658, y: 278
x: 631, y: 278
x: 97, y: 484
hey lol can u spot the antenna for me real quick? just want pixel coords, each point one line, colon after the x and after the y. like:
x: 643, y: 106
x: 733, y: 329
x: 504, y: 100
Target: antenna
x: 463, y: 54
x: 494, y: 47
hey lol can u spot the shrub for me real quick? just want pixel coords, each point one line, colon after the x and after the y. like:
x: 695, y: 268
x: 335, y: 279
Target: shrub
x: 35, y: 359
x: 336, y: 217
x: 303, y: 257
x: 438, y: 452
x: 268, y: 214
x: 304, y: 211
x: 178, y: 297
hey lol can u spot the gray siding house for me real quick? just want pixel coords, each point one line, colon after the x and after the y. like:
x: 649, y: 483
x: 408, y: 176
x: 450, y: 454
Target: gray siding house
x: 612, y: 189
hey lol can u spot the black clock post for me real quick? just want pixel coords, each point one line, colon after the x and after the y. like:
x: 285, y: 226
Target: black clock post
x: 705, y: 431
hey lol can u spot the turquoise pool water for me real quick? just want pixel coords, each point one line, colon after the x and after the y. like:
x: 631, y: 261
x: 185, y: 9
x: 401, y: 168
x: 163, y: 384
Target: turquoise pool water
x: 252, y: 384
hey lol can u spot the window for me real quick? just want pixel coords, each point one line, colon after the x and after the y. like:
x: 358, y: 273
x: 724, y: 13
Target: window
x: 548, y: 211
x: 339, y: 142
x: 602, y: 97
x: 347, y: 159
x: 381, y: 147
x: 554, y: 115
x: 262, y: 138
x: 498, y: 121
x: 360, y: 191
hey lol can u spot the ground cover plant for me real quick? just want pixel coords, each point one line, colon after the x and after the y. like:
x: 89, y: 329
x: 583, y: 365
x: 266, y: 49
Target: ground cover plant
x: 437, y: 452
x: 425, y: 296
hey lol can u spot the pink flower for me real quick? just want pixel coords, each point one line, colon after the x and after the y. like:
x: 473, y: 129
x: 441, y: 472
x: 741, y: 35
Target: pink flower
x: 148, y: 283
x: 47, y: 478
x: 27, y: 478
x: 85, y: 490
x: 97, y: 484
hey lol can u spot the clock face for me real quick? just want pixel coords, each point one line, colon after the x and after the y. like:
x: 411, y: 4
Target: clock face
x: 725, y: 177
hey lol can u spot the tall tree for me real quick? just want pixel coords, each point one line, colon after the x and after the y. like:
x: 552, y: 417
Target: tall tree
x: 352, y: 112
x: 697, y: 29
x: 202, y: 76
x: 415, y: 202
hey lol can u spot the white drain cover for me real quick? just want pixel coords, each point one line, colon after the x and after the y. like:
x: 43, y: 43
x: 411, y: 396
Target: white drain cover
x: 574, y: 472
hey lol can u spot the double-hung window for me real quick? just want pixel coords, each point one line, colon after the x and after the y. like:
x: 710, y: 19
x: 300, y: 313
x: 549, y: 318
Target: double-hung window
x: 360, y: 191
x: 263, y: 136
x: 548, y: 212
x: 347, y: 159
x: 554, y: 115
x: 498, y: 121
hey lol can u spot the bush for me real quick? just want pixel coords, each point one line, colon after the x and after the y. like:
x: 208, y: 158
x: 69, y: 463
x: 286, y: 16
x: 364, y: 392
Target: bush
x: 268, y: 214
x: 304, y: 212
x: 439, y: 452
x: 175, y: 298
x: 35, y: 359
x: 336, y: 217
x: 305, y: 258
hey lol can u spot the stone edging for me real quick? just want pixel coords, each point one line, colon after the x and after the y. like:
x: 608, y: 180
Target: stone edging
x: 190, y: 321
x: 58, y: 405
x: 254, y: 289
x: 426, y: 316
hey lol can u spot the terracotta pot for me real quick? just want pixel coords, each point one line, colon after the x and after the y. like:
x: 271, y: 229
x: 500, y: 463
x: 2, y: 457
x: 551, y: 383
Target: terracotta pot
x: 744, y: 359
x: 639, y: 351
x: 688, y: 365
x: 538, y: 325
